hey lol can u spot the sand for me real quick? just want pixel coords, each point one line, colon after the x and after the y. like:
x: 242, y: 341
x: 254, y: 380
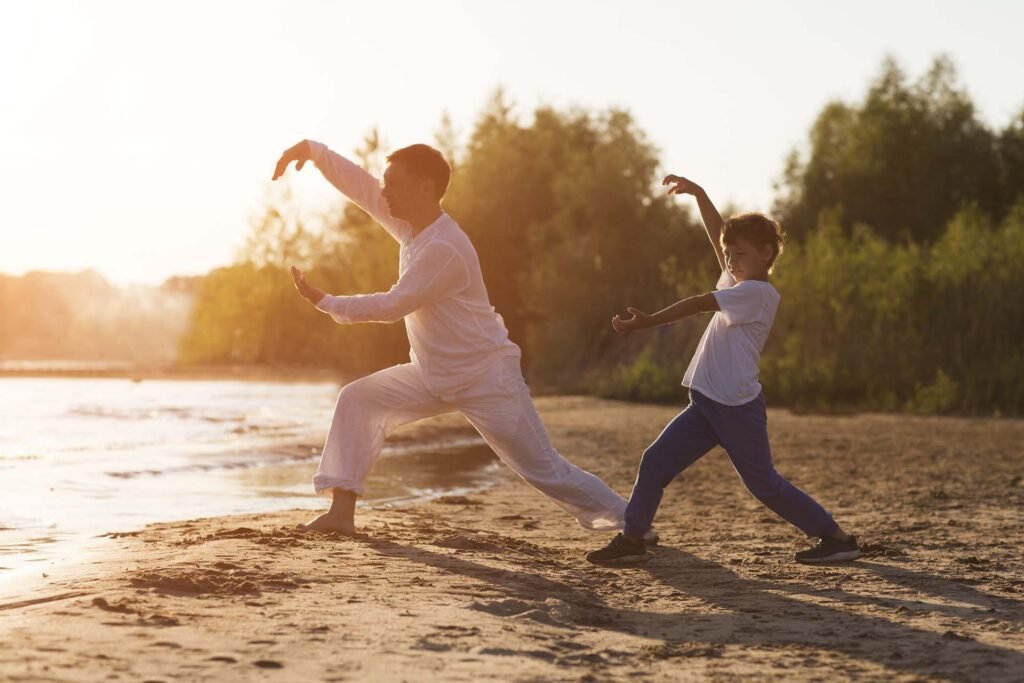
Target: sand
x: 493, y: 585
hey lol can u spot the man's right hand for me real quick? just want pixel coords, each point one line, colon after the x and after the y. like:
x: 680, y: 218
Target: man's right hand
x: 300, y: 153
x: 680, y: 185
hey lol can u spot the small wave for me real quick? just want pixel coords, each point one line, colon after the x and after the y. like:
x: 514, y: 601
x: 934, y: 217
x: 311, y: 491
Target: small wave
x: 297, y: 454
x: 164, y: 412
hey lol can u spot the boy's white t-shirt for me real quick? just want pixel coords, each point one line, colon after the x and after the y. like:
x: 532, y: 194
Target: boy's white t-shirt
x: 725, y: 365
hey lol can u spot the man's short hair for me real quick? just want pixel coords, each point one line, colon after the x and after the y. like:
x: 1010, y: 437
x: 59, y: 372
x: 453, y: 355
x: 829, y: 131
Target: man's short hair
x: 426, y: 162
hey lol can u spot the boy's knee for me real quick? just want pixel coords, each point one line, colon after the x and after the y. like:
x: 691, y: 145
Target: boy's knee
x: 652, y: 467
x: 766, y: 485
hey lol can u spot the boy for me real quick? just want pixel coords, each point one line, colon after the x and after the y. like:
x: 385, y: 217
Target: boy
x: 726, y: 402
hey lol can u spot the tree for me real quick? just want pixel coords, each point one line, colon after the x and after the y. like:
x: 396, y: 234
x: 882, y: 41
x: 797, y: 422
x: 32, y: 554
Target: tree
x: 903, y: 161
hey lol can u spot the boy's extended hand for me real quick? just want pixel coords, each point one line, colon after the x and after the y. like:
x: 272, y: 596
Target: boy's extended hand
x: 680, y: 185
x: 638, y: 321
x: 308, y: 291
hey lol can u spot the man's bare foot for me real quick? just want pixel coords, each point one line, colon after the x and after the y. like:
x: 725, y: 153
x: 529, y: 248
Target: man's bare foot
x: 330, y: 523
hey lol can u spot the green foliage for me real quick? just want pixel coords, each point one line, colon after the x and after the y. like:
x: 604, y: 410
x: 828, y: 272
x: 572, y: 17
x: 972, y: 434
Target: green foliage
x: 569, y: 226
x: 938, y: 397
x: 870, y: 325
x: 904, y: 160
x: 899, y: 293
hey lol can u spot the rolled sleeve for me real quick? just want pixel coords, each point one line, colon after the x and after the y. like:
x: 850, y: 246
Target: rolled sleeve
x: 335, y: 306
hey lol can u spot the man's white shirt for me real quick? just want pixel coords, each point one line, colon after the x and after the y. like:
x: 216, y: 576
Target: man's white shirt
x: 455, y: 335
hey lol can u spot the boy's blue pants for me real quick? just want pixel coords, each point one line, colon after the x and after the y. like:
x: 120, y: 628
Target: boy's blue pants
x: 743, y: 432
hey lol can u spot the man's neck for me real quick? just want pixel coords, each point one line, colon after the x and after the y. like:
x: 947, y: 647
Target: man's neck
x: 425, y: 219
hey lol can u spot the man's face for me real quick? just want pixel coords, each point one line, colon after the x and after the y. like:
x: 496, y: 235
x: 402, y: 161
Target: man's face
x: 404, y: 192
x: 747, y: 261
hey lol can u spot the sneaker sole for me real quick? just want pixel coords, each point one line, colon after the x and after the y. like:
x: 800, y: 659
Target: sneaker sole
x: 844, y: 556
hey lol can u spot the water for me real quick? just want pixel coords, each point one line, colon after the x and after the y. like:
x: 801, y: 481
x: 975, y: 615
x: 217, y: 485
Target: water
x: 83, y: 457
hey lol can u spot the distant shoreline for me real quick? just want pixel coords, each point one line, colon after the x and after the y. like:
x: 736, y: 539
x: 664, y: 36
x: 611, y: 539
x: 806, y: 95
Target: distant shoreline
x: 138, y: 373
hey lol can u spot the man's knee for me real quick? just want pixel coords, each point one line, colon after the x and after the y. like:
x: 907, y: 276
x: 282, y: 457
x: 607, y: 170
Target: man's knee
x: 356, y: 394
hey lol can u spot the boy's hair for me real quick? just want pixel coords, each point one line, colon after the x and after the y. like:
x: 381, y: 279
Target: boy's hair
x: 757, y: 229
x: 425, y: 162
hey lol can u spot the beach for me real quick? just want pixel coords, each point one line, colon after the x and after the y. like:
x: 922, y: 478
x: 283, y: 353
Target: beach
x: 492, y: 584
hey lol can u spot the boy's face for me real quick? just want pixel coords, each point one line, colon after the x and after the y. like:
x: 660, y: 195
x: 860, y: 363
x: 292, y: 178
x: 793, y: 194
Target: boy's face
x: 747, y: 261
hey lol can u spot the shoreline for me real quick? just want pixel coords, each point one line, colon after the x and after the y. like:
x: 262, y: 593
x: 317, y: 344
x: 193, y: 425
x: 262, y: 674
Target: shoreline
x: 128, y: 371
x: 493, y: 585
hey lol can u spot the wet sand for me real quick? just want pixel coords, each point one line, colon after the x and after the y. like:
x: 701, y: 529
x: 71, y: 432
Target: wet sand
x: 493, y: 586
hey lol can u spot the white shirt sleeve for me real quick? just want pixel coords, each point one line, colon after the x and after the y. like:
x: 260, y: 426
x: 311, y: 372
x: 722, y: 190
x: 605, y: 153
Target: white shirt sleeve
x: 433, y: 274
x: 725, y: 280
x: 358, y: 185
x: 740, y: 304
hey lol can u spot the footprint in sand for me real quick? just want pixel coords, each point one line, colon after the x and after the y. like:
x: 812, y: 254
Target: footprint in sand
x: 223, y: 658
x: 431, y: 645
x: 505, y: 652
x: 268, y: 664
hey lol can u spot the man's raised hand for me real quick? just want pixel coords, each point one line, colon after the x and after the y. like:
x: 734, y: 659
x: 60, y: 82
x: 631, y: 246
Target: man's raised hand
x: 308, y: 291
x: 638, y: 321
x: 299, y: 153
x: 680, y: 185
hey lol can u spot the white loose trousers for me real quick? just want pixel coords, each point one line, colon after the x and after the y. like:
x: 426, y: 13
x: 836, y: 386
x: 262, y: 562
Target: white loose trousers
x: 501, y: 409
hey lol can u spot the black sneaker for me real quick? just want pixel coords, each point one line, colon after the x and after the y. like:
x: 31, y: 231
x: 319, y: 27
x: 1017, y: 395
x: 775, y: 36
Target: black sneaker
x: 830, y: 549
x: 619, y: 550
x: 651, y: 537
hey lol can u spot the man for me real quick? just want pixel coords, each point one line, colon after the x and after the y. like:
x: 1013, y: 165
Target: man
x: 461, y: 356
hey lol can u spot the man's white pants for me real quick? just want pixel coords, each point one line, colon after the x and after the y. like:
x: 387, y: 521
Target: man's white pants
x: 498, y: 405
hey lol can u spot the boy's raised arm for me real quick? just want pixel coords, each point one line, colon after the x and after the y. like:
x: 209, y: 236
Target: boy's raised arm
x: 713, y: 221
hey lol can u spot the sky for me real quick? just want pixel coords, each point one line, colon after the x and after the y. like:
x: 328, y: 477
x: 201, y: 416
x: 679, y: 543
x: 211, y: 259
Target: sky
x: 138, y: 138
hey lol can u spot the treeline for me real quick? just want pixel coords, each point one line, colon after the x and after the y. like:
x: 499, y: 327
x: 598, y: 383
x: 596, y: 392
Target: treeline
x: 81, y: 316
x: 899, y: 282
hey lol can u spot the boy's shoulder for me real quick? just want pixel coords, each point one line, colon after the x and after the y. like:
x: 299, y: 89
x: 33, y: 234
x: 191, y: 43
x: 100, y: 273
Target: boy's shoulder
x: 727, y: 282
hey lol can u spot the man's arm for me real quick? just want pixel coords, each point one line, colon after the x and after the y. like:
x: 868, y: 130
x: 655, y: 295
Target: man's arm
x: 353, y: 182
x: 702, y: 303
x: 435, y: 273
x: 713, y: 221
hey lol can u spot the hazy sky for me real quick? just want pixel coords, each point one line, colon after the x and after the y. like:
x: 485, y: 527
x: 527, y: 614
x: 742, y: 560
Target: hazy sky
x: 137, y: 138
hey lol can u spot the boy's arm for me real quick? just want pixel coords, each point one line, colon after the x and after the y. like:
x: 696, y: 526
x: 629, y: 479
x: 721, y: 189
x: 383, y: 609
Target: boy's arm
x: 702, y: 303
x: 713, y: 221
x: 353, y: 182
